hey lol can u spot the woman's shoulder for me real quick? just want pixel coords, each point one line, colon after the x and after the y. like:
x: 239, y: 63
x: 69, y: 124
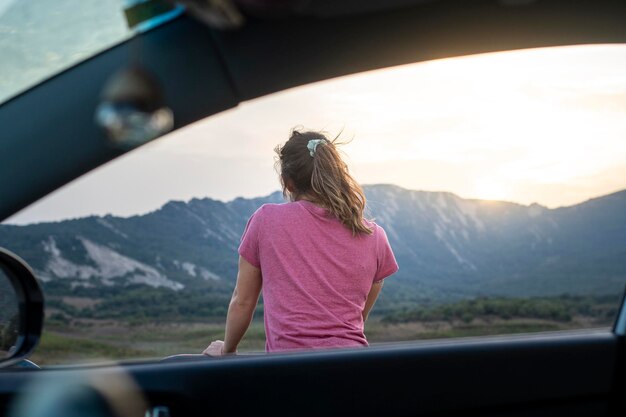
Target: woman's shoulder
x: 273, y: 209
x: 375, y: 227
x: 377, y: 230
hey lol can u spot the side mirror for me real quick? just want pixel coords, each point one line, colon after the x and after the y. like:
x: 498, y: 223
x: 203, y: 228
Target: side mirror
x: 21, y: 309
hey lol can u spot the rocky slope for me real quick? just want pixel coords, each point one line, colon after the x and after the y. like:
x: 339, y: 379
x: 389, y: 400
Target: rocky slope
x: 447, y: 247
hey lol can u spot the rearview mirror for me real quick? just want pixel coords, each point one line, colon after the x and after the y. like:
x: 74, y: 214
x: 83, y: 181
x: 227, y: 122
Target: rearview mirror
x: 21, y: 309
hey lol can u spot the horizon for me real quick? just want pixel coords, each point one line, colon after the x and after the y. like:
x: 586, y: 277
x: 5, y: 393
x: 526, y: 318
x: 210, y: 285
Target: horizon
x: 267, y: 195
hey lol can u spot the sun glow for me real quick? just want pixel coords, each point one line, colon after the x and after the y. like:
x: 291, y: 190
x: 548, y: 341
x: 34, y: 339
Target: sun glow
x: 543, y: 125
x: 488, y: 189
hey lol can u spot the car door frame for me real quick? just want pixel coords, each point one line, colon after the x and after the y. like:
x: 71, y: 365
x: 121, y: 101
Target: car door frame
x: 545, y: 371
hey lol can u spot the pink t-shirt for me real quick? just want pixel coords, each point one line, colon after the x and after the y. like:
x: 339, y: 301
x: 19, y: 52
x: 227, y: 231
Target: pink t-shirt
x: 316, y: 275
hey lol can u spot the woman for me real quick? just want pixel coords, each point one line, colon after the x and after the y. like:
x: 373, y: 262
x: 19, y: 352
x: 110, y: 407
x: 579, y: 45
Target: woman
x: 320, y: 264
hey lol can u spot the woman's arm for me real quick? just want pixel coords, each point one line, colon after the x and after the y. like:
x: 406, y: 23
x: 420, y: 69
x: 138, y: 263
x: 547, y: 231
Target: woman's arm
x: 241, y: 309
x: 371, y: 298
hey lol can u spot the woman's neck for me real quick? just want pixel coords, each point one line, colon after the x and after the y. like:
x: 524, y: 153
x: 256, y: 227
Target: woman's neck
x: 308, y: 197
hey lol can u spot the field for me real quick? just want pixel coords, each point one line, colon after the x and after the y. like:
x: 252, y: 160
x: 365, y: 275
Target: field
x: 74, y: 334
x: 89, y: 341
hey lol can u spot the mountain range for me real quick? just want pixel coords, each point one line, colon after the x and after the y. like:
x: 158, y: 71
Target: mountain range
x: 447, y: 247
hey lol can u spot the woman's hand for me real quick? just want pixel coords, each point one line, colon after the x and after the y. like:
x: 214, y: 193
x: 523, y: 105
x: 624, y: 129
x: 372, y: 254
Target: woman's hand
x: 216, y: 348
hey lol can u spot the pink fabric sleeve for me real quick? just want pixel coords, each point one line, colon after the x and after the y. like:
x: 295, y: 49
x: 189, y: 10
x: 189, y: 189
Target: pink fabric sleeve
x: 387, y: 264
x: 249, y: 246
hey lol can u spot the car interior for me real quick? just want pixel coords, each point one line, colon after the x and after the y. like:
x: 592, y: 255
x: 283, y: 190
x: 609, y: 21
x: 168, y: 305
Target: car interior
x: 49, y: 138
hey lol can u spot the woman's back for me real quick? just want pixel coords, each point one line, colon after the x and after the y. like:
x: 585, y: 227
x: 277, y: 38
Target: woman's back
x: 316, y: 274
x: 316, y: 259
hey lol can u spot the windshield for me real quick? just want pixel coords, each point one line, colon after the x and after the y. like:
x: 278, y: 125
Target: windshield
x: 500, y: 181
x: 39, y: 38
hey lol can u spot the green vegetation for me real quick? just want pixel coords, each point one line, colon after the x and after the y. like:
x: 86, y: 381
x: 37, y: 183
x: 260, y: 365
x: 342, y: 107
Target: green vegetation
x: 88, y: 341
x: 144, y: 304
x: 59, y: 348
x: 82, y: 329
x: 379, y: 332
x: 601, y: 309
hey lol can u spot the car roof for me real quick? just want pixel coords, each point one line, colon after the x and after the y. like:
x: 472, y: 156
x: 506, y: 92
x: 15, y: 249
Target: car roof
x: 48, y: 132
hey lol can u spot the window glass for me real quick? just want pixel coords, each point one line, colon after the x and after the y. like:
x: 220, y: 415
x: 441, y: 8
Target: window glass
x: 39, y: 38
x: 500, y: 180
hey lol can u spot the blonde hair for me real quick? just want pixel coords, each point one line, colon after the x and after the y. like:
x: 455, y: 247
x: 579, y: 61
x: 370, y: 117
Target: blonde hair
x: 321, y: 174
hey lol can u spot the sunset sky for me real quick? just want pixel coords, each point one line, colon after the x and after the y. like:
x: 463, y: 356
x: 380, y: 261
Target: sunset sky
x: 542, y: 126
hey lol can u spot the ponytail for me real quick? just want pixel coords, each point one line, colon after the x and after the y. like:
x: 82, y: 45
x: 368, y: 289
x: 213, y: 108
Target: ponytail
x: 311, y: 164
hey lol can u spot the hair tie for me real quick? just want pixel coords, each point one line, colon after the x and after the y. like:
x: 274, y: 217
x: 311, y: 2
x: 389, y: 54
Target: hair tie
x: 312, y: 145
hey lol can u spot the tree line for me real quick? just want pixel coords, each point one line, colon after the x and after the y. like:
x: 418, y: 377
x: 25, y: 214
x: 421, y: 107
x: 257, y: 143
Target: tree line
x: 141, y: 304
x: 562, y: 308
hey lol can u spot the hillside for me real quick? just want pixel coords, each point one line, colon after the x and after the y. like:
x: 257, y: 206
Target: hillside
x: 447, y: 248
